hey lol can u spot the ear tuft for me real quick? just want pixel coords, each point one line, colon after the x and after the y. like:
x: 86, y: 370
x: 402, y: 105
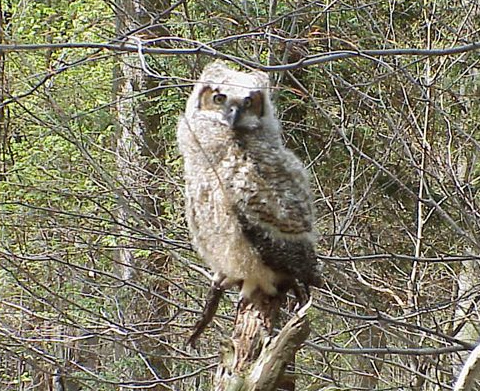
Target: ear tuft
x: 258, y: 102
x: 204, y: 96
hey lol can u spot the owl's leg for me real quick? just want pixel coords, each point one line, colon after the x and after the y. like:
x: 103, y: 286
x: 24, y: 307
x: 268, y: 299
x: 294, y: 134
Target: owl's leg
x: 301, y: 292
x: 213, y: 298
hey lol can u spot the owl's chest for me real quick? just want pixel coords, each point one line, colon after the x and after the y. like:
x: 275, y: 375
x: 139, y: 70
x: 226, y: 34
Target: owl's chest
x: 220, y: 161
x: 212, y: 181
x: 214, y: 190
x: 210, y: 214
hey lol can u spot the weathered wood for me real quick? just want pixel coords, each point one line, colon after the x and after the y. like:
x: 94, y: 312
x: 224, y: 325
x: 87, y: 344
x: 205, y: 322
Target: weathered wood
x: 253, y: 360
x: 470, y: 372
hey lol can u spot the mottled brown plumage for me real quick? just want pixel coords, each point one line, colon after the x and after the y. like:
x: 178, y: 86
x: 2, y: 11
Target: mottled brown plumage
x: 248, y: 201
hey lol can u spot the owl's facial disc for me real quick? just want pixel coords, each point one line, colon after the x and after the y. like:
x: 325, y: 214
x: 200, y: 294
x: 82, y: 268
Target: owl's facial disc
x: 241, y: 113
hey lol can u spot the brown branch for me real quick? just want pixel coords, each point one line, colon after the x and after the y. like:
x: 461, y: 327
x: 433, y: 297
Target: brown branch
x: 213, y: 299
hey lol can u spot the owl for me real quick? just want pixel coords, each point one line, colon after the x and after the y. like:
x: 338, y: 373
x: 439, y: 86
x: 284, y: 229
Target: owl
x: 249, y: 207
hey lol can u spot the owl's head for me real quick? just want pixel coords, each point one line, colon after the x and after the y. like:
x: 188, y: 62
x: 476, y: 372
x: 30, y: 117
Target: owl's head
x: 239, y: 99
x: 242, y: 108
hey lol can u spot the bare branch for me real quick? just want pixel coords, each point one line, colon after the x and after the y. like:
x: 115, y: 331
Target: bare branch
x: 399, y: 351
x: 200, y: 48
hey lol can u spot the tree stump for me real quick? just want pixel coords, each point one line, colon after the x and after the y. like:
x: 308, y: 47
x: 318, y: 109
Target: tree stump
x: 253, y: 359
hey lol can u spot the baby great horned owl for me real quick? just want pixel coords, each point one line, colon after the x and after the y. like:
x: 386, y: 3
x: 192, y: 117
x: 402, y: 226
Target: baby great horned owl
x: 248, y: 202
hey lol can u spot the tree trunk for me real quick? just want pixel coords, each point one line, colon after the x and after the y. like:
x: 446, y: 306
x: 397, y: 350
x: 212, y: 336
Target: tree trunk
x: 254, y: 360
x: 135, y: 151
x: 4, y: 134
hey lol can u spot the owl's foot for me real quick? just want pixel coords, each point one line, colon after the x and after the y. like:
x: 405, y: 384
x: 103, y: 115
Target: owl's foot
x: 301, y: 292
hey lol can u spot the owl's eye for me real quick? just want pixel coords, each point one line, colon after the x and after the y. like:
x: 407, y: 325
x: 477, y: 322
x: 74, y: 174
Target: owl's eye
x: 219, y: 99
x: 247, y: 102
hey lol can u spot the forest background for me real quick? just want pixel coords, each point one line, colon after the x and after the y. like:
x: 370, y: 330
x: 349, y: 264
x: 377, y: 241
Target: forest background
x: 99, y: 286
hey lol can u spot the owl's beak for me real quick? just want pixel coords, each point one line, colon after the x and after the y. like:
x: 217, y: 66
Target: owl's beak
x: 233, y: 115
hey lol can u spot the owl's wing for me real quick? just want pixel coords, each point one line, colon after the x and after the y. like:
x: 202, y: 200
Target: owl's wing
x: 277, y: 195
x: 275, y: 211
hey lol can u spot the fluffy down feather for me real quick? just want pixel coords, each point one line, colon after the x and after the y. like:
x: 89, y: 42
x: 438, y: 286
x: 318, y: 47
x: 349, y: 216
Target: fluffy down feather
x: 248, y: 202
